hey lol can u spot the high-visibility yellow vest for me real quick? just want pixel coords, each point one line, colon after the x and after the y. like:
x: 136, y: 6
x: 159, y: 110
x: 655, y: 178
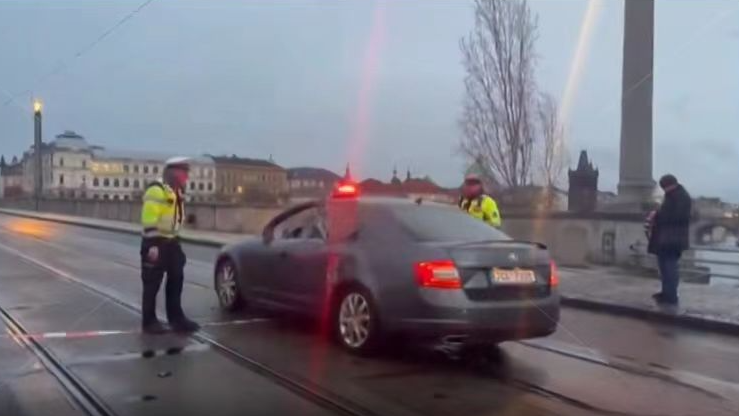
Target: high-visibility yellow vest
x: 483, y: 208
x: 162, y: 212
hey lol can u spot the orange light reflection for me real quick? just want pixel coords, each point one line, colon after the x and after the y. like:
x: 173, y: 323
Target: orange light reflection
x: 31, y: 228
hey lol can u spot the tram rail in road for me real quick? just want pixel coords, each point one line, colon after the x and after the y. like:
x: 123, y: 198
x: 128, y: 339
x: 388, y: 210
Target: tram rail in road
x: 305, y: 389
x: 80, y: 394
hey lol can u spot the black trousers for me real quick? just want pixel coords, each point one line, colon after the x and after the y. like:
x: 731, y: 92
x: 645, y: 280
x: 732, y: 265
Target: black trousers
x: 172, y: 262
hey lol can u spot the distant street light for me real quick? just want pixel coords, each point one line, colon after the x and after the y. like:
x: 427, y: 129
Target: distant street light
x: 37, y: 145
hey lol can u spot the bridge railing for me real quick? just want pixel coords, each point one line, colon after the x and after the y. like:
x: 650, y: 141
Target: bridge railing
x: 717, y: 249
x: 693, y: 263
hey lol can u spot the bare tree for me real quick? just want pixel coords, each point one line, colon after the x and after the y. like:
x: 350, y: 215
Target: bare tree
x: 553, y: 158
x: 500, y: 102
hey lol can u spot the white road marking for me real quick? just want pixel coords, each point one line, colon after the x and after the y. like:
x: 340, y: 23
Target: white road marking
x: 103, y: 333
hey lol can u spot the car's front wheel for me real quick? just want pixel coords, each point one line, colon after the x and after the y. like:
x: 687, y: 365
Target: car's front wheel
x: 227, y: 286
x: 356, y: 323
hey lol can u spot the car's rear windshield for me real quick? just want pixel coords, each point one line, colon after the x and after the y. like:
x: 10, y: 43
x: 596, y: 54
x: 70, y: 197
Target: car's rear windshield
x: 439, y: 223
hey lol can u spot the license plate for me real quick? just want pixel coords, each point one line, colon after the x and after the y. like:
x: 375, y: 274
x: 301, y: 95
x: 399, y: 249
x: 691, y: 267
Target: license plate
x: 513, y: 276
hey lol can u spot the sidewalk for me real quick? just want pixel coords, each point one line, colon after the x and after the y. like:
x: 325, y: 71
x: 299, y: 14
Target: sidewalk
x: 616, y: 290
x: 603, y: 289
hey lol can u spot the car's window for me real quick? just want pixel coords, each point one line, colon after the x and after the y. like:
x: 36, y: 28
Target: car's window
x: 315, y: 230
x: 304, y: 224
x: 439, y: 223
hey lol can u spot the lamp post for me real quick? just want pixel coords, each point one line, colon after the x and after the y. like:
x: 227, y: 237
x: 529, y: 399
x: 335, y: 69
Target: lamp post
x: 38, y: 160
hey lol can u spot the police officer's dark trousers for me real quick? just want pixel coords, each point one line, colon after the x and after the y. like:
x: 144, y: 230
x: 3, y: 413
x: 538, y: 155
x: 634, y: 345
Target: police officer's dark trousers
x: 171, y: 262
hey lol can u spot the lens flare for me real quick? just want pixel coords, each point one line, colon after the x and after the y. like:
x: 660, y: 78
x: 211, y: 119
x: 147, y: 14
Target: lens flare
x: 587, y: 27
x: 370, y: 68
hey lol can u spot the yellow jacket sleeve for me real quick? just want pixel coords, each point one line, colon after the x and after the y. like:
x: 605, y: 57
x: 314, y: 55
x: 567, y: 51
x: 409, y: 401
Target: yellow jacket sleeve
x: 154, y: 199
x: 490, y: 212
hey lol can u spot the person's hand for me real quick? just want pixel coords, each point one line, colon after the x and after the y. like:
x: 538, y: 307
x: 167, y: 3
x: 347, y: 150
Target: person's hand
x: 153, y: 254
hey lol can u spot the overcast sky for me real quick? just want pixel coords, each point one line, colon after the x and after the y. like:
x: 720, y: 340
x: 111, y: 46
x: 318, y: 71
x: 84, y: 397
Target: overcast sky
x: 319, y: 82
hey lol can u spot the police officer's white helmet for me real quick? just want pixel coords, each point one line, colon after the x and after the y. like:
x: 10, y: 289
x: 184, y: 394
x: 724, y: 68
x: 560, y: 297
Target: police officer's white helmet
x: 178, y: 162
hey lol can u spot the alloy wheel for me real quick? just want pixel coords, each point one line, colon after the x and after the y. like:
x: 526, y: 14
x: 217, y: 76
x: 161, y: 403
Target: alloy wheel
x: 354, y: 320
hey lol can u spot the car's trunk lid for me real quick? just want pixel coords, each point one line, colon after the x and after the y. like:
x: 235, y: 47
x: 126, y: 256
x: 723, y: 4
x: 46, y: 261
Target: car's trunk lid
x: 478, y: 262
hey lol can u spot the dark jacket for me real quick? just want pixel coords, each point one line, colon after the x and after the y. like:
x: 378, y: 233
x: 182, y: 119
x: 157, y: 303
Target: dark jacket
x: 671, y: 225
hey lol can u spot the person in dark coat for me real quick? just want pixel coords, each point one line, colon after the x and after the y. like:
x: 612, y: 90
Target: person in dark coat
x: 669, y: 236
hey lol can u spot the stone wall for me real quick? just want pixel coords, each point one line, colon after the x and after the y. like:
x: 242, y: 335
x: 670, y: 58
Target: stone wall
x: 225, y: 218
x: 578, y: 239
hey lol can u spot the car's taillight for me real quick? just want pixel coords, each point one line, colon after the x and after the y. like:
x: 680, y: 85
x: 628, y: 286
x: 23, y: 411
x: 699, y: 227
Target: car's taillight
x: 440, y: 274
x: 553, y: 274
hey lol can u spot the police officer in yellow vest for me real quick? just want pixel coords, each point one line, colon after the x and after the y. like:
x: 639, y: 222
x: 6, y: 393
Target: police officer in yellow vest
x: 161, y: 217
x: 475, y: 202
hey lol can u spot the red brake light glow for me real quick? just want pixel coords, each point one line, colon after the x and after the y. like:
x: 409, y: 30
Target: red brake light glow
x: 441, y: 274
x: 553, y: 274
x: 346, y: 190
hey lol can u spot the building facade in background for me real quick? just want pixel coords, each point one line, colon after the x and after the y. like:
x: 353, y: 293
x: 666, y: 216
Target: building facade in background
x: 705, y: 207
x: 242, y: 179
x: 11, y: 178
x: 310, y: 183
x: 73, y: 168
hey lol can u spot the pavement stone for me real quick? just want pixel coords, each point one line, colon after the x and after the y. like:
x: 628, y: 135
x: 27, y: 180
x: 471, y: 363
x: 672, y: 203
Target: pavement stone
x: 617, y: 290
x: 598, y: 288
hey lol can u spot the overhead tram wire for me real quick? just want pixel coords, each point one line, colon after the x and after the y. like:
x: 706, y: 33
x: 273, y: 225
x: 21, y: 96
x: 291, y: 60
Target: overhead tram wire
x: 90, y: 46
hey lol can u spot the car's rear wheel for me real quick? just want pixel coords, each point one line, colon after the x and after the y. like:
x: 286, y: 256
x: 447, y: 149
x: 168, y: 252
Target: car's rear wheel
x: 356, y: 323
x: 227, y: 286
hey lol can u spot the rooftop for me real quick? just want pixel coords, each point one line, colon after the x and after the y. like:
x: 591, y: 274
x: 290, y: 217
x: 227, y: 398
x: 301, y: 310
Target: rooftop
x: 244, y: 161
x: 407, y: 187
x: 157, y: 157
x: 70, y: 140
x: 312, y: 173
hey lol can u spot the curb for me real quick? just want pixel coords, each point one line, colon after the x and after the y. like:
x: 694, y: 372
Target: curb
x: 191, y: 240
x: 675, y: 319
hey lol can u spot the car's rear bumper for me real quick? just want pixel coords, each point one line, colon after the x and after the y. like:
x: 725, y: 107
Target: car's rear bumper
x: 494, y: 321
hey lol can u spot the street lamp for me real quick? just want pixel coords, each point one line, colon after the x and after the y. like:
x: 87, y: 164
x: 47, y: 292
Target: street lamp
x: 37, y: 139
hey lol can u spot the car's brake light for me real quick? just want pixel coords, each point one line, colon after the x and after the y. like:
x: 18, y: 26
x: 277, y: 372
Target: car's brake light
x: 440, y: 274
x: 553, y: 274
x: 346, y: 190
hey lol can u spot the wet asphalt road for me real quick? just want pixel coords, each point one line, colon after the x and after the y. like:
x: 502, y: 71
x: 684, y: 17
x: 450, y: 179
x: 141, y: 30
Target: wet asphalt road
x: 62, y: 278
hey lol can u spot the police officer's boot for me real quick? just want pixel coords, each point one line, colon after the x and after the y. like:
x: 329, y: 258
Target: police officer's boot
x: 184, y: 325
x: 153, y: 327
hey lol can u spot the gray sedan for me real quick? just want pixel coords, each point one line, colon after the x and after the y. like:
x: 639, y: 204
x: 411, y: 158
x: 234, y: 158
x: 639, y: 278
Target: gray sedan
x: 374, y: 267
